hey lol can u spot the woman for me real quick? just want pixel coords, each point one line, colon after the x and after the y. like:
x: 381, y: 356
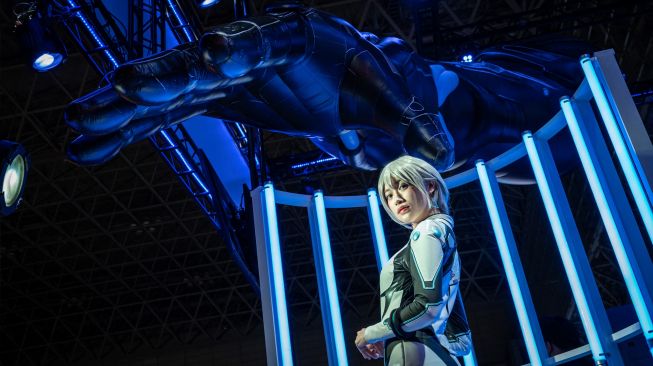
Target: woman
x: 423, y: 321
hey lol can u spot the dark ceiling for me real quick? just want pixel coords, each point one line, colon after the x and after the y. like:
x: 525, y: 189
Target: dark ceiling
x: 118, y: 258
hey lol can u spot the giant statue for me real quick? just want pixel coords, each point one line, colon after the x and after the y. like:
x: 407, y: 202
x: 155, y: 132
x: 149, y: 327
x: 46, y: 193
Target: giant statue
x: 363, y: 99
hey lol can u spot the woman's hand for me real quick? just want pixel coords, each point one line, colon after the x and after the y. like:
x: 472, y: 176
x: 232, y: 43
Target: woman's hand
x: 369, y: 351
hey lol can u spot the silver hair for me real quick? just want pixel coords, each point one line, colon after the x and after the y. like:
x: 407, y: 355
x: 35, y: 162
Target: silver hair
x: 417, y: 173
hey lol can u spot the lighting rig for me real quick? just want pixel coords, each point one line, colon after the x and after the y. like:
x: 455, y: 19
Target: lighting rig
x: 33, y: 28
x: 14, y: 164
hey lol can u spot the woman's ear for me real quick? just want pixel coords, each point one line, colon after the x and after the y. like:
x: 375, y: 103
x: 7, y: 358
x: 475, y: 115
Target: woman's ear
x: 431, y: 188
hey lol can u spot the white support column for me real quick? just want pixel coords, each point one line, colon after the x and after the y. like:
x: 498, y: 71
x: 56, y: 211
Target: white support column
x: 521, y: 296
x: 270, y: 268
x: 378, y: 236
x: 621, y: 227
x: 326, y: 280
x: 625, y: 129
x: 574, y: 259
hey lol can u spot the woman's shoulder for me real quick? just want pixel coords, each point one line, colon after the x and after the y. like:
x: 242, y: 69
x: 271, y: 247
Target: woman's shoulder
x: 434, y: 221
x: 438, y: 225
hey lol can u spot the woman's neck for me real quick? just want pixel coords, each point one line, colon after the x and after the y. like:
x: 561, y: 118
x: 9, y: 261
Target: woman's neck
x: 430, y: 213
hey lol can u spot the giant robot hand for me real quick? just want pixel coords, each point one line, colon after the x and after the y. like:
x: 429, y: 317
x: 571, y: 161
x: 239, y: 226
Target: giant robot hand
x: 300, y: 72
x: 360, y: 98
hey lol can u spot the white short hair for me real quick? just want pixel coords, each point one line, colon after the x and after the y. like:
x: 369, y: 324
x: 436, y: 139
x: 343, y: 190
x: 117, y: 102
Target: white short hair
x: 417, y: 173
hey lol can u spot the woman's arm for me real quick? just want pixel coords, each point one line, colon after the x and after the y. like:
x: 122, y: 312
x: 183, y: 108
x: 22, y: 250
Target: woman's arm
x: 432, y: 249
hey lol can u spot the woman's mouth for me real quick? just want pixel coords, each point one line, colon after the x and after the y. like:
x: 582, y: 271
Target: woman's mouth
x: 403, y: 210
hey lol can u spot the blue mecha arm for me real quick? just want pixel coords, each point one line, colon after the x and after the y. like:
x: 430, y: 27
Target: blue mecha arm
x: 300, y: 72
x: 363, y: 99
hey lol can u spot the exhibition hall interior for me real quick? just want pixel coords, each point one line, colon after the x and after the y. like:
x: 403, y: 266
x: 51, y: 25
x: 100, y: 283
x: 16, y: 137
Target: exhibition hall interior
x: 203, y: 182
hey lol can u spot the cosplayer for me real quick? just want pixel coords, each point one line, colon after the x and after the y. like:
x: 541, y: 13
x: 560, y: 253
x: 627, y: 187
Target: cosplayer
x: 363, y: 99
x: 423, y: 321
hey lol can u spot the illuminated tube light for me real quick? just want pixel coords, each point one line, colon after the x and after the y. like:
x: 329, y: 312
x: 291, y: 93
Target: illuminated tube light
x: 512, y: 265
x: 279, y: 307
x: 562, y: 238
x: 378, y: 236
x: 94, y: 34
x: 611, y: 227
x: 470, y: 358
x: 624, y: 157
x: 327, y: 284
x: 314, y: 162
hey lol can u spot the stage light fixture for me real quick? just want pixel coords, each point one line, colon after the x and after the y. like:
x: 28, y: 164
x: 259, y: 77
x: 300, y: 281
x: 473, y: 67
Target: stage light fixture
x: 207, y: 3
x: 468, y: 58
x: 46, y: 51
x: 14, y: 164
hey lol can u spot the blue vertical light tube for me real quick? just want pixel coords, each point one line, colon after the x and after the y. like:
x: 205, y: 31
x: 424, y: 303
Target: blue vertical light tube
x: 514, y: 272
x: 330, y: 306
x: 378, y: 236
x: 470, y: 358
x: 277, y: 287
x: 624, y: 241
x: 571, y: 250
x: 623, y: 154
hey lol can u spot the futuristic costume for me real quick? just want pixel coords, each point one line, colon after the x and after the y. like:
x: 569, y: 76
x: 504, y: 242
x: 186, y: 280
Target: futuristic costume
x: 363, y: 99
x: 423, y: 321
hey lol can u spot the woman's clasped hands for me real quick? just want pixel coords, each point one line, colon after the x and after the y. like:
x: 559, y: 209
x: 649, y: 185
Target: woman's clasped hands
x: 368, y: 350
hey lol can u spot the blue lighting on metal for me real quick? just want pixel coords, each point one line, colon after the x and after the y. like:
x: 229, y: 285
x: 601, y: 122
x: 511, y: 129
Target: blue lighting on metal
x: 643, y: 93
x: 182, y: 22
x: 100, y: 44
x: 310, y: 163
x: 189, y: 169
x: 614, y: 229
x: 623, y: 155
x: 565, y: 235
x: 378, y: 237
x: 328, y: 288
x: 514, y: 273
x: 47, y: 61
x: 279, y: 307
x: 208, y: 3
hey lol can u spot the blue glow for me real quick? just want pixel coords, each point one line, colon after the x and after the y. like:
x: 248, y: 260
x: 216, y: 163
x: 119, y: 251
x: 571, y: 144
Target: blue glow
x: 624, y: 157
x: 562, y: 239
x: 380, y: 247
x: 470, y: 358
x: 330, y: 277
x: 468, y: 58
x: 95, y: 36
x: 280, y: 310
x: 47, y: 61
x: 315, y: 162
x: 182, y: 23
x: 186, y: 165
x: 207, y: 3
x: 498, y: 219
x: 611, y: 227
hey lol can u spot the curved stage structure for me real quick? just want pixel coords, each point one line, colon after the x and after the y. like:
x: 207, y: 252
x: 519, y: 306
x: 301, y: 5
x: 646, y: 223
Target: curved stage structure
x: 605, y: 85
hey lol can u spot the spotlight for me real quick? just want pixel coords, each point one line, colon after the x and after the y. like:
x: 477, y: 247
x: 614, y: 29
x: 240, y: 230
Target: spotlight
x: 45, y: 49
x: 207, y: 3
x: 468, y: 58
x: 14, y: 164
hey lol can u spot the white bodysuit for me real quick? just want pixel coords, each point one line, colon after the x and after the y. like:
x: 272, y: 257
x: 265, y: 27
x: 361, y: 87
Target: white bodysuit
x: 423, y: 321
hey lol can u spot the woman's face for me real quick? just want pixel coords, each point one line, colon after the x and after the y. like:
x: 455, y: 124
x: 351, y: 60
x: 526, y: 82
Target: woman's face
x: 407, y: 203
